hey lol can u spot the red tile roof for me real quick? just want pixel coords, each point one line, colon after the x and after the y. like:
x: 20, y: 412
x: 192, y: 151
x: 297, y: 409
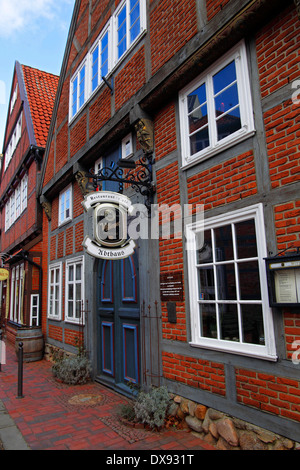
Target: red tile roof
x: 41, y: 90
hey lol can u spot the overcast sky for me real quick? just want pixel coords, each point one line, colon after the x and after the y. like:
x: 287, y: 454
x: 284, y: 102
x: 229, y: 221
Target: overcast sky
x: 33, y: 32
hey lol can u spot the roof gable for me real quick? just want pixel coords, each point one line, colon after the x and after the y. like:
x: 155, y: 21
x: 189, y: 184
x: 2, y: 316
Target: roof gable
x: 41, y: 90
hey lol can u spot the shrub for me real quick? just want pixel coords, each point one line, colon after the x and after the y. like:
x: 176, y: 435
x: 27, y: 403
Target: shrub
x: 72, y: 370
x: 151, y: 408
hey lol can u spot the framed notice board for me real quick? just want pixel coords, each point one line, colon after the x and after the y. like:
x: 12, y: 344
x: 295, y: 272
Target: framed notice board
x: 171, y: 286
x: 283, y: 274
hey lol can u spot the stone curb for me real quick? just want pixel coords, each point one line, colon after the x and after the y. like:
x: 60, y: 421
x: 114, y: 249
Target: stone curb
x: 10, y: 436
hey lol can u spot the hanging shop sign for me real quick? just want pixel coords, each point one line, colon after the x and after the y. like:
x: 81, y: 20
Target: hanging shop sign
x: 283, y: 274
x: 110, y: 213
x: 3, y: 274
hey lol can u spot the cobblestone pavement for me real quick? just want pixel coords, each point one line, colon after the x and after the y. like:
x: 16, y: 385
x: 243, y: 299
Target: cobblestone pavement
x: 55, y: 416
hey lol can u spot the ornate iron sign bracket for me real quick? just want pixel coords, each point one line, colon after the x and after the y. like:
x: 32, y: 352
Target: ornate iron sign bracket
x: 138, y: 176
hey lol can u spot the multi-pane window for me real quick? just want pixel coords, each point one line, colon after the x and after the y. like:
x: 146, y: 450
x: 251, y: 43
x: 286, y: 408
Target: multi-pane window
x: 216, y: 109
x: 16, y: 204
x: 74, y: 290
x: 78, y: 89
x: 229, y: 300
x: 34, y: 310
x: 24, y: 186
x: 65, y: 205
x: 122, y: 30
x: 14, y: 98
x: 17, y: 294
x: 14, y: 140
x: 100, y: 58
x: 18, y: 201
x: 54, y: 293
x: 128, y: 28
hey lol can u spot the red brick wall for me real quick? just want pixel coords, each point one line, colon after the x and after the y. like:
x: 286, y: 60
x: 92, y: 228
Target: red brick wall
x: 78, y: 135
x: 55, y: 332
x: 168, y: 36
x: 100, y: 112
x: 278, y: 52
x: 282, y: 125
x: 194, y: 372
x: 292, y: 334
x: 276, y: 395
x: 214, y: 6
x: 72, y: 337
x: 165, y: 131
x: 61, y: 148
x: 229, y: 181
x: 130, y: 79
x: 287, y: 224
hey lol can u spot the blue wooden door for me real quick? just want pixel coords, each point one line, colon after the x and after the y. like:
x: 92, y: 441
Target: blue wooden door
x: 118, y: 322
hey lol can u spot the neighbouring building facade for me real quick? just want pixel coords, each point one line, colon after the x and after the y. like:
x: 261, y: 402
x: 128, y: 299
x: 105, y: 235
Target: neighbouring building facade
x: 28, y: 119
x: 205, y: 94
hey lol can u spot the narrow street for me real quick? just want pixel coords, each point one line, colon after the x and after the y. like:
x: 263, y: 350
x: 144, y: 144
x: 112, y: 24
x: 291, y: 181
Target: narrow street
x: 55, y: 416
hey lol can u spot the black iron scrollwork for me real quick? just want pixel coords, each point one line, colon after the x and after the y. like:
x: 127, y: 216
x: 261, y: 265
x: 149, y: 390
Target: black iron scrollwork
x: 137, y: 174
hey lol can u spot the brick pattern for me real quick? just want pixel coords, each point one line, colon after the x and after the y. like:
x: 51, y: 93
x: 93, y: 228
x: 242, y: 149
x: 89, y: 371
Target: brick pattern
x: 168, y: 191
x: 287, y: 224
x: 278, y: 52
x: 282, y: 125
x: 292, y: 334
x: 49, y: 172
x: 78, y: 135
x: 165, y: 131
x: 127, y: 82
x: 214, y: 6
x: 61, y: 148
x: 229, y: 181
x: 55, y: 332
x: 100, y: 112
x: 276, y: 395
x: 197, y: 373
x: 165, y: 31
x: 73, y: 337
x: 79, y: 235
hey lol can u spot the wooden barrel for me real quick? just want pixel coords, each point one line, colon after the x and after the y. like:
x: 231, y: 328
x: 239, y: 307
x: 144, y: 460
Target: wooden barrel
x: 33, y: 343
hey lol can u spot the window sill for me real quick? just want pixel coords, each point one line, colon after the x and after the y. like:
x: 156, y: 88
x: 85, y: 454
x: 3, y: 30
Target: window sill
x: 259, y: 352
x: 78, y: 322
x: 65, y: 222
x: 211, y: 152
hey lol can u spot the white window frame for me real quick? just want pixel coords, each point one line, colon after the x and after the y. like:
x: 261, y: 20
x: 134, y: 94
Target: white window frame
x: 16, y: 204
x: 106, y: 30
x: 24, y: 192
x: 13, y: 143
x: 7, y: 215
x: 83, y: 65
x: 238, y: 54
x: 63, y: 219
x: 18, y: 201
x: 57, y: 268
x: 12, y: 294
x: 73, y: 262
x: 12, y: 208
x: 266, y: 351
x: 34, y: 307
x: 14, y: 98
x: 127, y: 146
x: 129, y: 43
x: 113, y: 59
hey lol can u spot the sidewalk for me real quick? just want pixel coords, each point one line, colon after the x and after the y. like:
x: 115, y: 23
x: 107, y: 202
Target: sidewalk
x: 55, y: 416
